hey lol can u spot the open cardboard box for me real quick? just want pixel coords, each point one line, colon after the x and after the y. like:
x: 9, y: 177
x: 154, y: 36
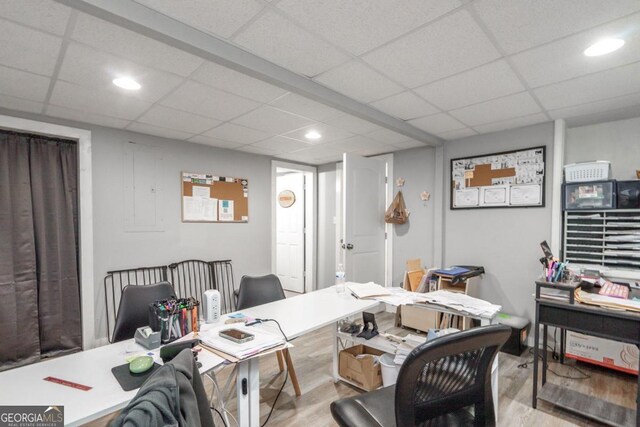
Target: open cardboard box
x: 362, y: 371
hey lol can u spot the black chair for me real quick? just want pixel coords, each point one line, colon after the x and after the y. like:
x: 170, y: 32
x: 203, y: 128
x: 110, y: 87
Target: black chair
x: 133, y: 311
x: 258, y: 290
x: 437, y: 385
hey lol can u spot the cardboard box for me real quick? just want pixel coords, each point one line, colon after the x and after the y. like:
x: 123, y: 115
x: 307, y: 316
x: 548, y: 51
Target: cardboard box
x: 611, y: 354
x: 418, y: 318
x: 362, y: 371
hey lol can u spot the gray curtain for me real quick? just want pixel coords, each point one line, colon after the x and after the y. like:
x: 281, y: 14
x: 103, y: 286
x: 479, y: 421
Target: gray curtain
x: 39, y: 286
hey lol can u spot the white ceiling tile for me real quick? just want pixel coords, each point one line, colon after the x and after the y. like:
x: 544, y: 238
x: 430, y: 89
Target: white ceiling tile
x: 97, y: 101
x: 257, y: 150
x: 236, y: 133
x: 448, y: 46
x: 217, y: 17
x: 302, y: 106
x: 88, y: 67
x: 593, y: 87
x: 457, y: 134
x: 272, y: 120
x: 215, y: 142
x: 206, y: 101
x: 279, y: 40
x: 135, y: 47
x: 387, y: 136
x: 564, y: 59
x: 158, y: 131
x: 280, y: 144
x: 177, y: 120
x: 27, y: 49
x: 521, y: 24
x: 438, y: 123
x: 232, y: 81
x: 596, y: 107
x: 20, y: 104
x: 507, y: 107
x: 361, y: 25
x: 23, y: 85
x: 352, y: 124
x: 46, y: 15
x: 470, y: 87
x: 359, y: 82
x: 512, y: 123
x: 412, y: 143
x: 329, y: 134
x: 405, y: 106
x: 85, y: 117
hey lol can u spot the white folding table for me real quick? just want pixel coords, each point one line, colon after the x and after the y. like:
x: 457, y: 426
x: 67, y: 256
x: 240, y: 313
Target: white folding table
x: 92, y: 368
x: 297, y: 316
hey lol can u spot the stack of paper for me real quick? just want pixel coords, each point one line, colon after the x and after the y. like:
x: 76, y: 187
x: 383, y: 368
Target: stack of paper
x: 607, y: 302
x: 410, y: 342
x: 262, y: 341
x: 463, y: 303
x: 398, y: 296
x: 366, y: 290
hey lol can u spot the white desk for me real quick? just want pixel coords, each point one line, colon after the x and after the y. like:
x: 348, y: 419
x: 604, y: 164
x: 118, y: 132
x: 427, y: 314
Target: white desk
x: 297, y: 316
x: 25, y: 385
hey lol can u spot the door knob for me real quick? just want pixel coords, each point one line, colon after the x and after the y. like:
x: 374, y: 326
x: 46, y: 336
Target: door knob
x: 349, y: 246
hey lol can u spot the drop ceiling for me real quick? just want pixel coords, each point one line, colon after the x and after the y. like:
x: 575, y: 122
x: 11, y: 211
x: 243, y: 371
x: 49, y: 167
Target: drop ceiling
x: 452, y: 68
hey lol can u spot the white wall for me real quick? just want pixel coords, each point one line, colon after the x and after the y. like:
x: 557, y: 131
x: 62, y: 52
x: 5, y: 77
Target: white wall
x: 504, y: 241
x: 247, y: 245
x: 414, y: 239
x: 618, y: 142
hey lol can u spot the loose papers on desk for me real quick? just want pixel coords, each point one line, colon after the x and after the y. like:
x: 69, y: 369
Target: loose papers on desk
x: 607, y: 302
x: 366, y: 290
x: 462, y: 302
x: 262, y: 341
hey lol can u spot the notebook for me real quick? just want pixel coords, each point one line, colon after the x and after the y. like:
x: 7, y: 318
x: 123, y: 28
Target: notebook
x: 367, y: 290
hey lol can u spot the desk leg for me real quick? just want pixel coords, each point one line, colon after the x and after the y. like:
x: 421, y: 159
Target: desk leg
x: 334, y: 364
x: 248, y: 392
x: 545, y: 337
x: 638, y: 397
x: 494, y: 375
x: 562, y: 333
x: 536, y: 345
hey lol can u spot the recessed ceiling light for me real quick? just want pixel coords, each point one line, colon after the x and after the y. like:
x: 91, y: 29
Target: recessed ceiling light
x: 603, y: 47
x: 126, y: 83
x: 313, y: 134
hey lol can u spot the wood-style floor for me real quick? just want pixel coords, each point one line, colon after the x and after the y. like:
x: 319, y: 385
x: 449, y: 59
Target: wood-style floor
x: 312, y: 359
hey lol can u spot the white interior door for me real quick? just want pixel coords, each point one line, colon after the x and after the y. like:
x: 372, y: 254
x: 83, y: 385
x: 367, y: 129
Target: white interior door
x: 290, y: 224
x: 364, y: 196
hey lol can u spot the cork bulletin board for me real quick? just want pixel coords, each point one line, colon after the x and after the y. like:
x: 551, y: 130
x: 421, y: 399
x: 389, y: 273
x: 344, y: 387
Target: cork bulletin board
x: 499, y: 180
x: 210, y: 198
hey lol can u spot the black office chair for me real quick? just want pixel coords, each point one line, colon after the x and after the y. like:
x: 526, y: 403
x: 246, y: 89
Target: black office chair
x: 258, y: 290
x: 133, y: 311
x: 437, y: 384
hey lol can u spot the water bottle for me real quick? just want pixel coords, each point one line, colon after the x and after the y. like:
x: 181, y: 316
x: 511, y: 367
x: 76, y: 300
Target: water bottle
x: 340, y: 286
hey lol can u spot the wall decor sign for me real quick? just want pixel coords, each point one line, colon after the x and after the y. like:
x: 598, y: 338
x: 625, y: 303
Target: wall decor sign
x: 500, y: 180
x: 286, y: 198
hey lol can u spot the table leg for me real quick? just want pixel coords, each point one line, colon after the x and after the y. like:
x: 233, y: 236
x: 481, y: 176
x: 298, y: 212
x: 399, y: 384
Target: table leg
x: 334, y: 364
x: 545, y: 337
x: 562, y: 345
x: 248, y: 392
x: 536, y: 338
x: 638, y: 397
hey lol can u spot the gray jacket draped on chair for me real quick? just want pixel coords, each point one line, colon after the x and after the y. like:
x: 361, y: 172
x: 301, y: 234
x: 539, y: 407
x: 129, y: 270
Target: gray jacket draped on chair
x: 173, y: 396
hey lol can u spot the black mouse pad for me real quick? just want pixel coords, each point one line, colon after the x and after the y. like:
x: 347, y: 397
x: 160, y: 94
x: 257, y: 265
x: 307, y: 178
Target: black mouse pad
x: 130, y: 381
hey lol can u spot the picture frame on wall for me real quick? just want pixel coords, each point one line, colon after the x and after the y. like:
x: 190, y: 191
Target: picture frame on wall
x: 507, y: 179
